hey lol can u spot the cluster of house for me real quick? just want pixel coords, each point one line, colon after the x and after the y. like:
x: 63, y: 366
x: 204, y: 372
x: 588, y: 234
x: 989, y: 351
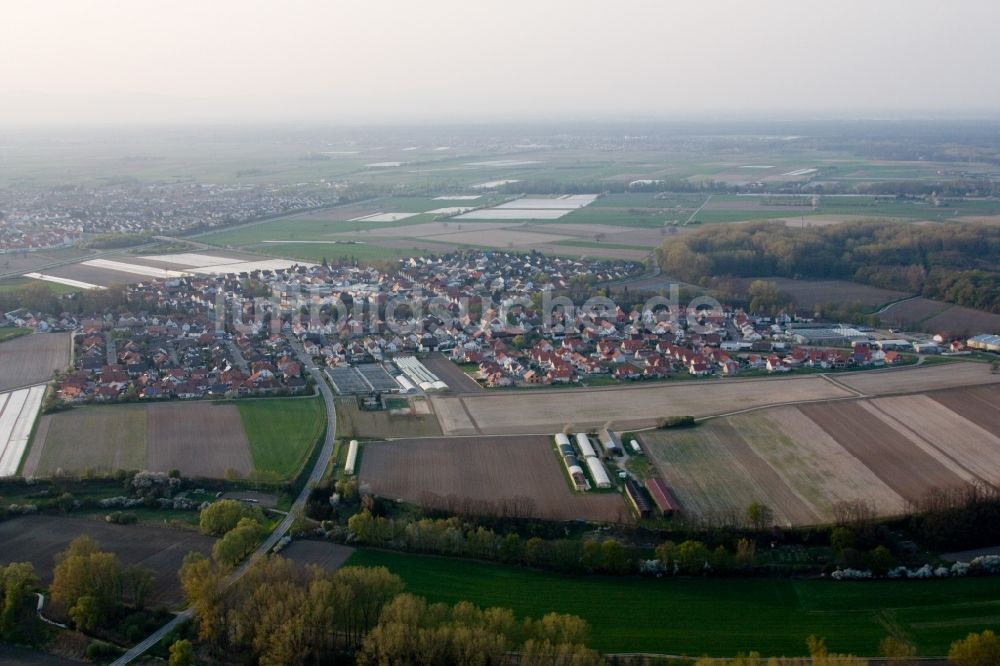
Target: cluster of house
x: 634, y: 356
x: 486, y: 313
x: 41, y: 218
x: 176, y: 356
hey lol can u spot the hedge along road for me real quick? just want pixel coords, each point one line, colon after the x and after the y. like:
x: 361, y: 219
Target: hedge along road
x: 282, y: 528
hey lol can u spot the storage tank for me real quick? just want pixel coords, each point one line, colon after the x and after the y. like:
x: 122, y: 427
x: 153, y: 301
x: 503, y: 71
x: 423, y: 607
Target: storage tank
x: 597, y: 471
x: 583, y: 442
x: 352, y: 457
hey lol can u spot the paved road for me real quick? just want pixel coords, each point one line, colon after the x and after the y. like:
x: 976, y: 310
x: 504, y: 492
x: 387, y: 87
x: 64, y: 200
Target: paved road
x: 286, y: 523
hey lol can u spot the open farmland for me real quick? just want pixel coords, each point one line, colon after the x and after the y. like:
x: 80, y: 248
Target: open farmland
x: 354, y: 422
x: 200, y: 439
x: 808, y: 293
x: 548, y: 410
x: 282, y: 433
x: 683, y: 615
x: 962, y: 321
x: 18, y: 410
x: 323, y: 554
x: 912, y: 311
x: 914, y: 379
x: 803, y: 460
x: 39, y: 539
x: 32, y: 359
x: 488, y: 473
x: 102, y: 438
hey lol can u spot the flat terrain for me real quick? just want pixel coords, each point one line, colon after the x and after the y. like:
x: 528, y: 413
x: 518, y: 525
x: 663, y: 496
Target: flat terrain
x: 639, y: 406
x: 200, y: 439
x: 324, y: 554
x: 683, y: 615
x: 282, y: 433
x: 549, y: 410
x: 458, y: 382
x: 32, y: 359
x: 488, y: 470
x: 919, y: 378
x: 803, y: 460
x: 887, y: 452
x: 102, y: 438
x: 18, y: 410
x: 808, y: 293
x: 958, y: 320
x: 354, y: 422
x: 38, y: 539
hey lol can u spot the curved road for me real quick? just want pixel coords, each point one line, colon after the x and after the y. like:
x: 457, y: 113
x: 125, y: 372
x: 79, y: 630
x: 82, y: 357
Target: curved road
x: 286, y: 523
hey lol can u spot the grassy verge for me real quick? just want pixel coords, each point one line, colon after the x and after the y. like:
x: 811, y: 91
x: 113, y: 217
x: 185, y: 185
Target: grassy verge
x: 714, y: 616
x: 282, y: 432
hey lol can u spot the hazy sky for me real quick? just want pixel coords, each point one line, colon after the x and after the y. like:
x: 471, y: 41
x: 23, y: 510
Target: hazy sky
x: 139, y: 60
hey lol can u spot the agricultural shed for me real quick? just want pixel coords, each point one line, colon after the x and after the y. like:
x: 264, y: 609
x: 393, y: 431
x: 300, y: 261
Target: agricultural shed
x: 637, y: 498
x: 662, y: 496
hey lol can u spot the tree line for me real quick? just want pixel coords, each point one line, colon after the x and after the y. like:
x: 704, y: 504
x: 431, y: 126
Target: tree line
x: 284, y: 613
x: 955, y: 262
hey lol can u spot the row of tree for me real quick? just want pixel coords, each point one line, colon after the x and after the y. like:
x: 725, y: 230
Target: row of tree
x: 955, y: 262
x: 283, y: 613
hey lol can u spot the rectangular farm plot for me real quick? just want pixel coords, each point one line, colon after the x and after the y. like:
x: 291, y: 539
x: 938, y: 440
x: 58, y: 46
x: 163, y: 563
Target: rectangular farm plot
x: 491, y: 473
x: 103, y: 438
x: 514, y: 214
x: 384, y: 217
x: 812, y: 463
x: 707, y: 472
x: 974, y: 450
x: 31, y: 359
x: 200, y: 439
x: 499, y: 237
x: 18, y: 411
x: 981, y: 405
x: 921, y: 378
x: 545, y: 410
x: 887, y: 452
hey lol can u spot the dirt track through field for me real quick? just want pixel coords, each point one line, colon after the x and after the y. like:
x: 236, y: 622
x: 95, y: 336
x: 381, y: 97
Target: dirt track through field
x: 200, y: 439
x: 897, y: 461
x: 483, y: 469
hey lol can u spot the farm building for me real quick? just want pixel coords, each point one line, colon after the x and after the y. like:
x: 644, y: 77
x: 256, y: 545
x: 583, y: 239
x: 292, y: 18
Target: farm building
x: 571, y: 462
x: 419, y: 374
x: 835, y: 337
x: 637, y: 498
x: 597, y: 471
x: 611, y: 442
x: 583, y: 442
x: 352, y: 457
x: 662, y: 497
x: 985, y: 342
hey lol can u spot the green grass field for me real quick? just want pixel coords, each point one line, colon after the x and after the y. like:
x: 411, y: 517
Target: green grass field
x: 282, y: 432
x: 13, y: 332
x: 715, y: 616
x: 14, y: 284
